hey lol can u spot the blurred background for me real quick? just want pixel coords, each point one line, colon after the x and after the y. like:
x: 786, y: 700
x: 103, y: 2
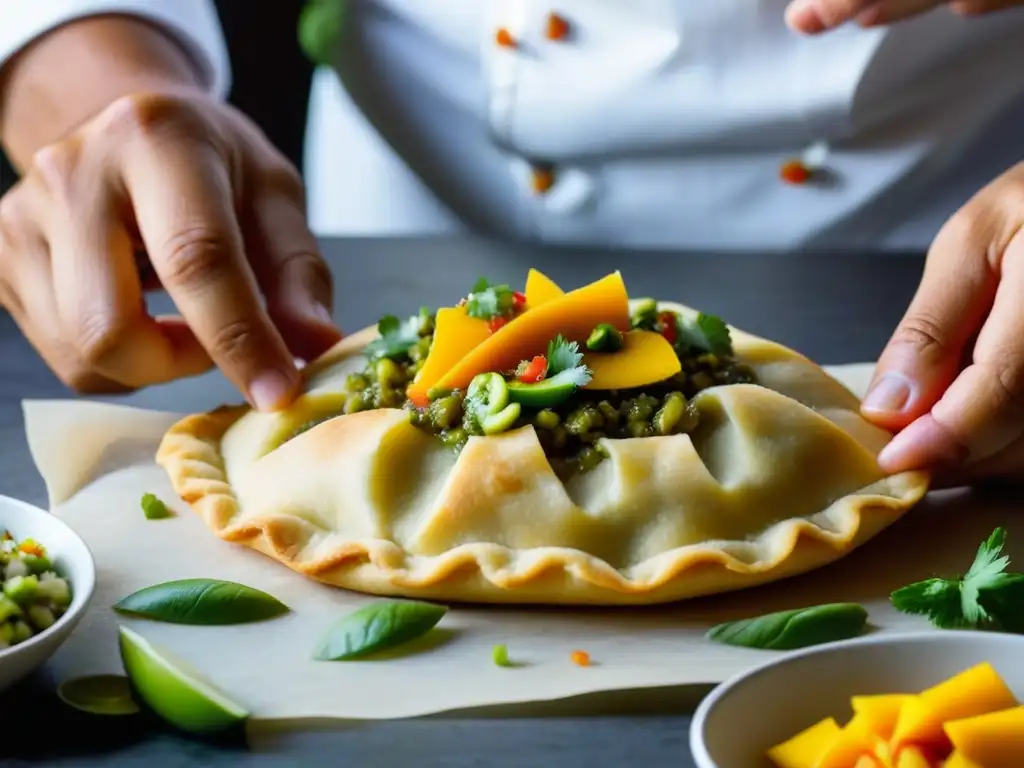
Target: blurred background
x: 271, y: 74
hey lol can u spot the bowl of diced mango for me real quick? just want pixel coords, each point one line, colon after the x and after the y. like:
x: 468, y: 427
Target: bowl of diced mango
x: 941, y: 699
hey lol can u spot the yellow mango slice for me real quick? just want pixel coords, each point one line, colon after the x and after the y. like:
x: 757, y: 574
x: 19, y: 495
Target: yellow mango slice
x: 540, y: 289
x: 994, y: 740
x: 456, y: 334
x: 878, y: 714
x: 912, y: 757
x: 645, y: 358
x: 975, y: 691
x: 958, y: 760
x: 804, y: 749
x: 573, y: 315
x: 868, y: 761
x: 851, y: 743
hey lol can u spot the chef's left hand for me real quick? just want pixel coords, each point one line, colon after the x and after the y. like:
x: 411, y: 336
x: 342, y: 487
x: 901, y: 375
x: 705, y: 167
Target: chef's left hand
x: 951, y: 380
x: 814, y: 16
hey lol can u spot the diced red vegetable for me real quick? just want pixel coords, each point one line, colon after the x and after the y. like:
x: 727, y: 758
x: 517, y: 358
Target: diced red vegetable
x: 497, y: 322
x: 419, y: 400
x: 667, y: 326
x: 518, y: 300
x: 533, y: 371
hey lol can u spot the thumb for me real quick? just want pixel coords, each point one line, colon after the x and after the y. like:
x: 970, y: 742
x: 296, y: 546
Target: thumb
x: 925, y: 352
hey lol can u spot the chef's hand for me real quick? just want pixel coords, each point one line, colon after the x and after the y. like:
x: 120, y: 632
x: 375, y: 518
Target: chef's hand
x: 951, y: 379
x: 220, y: 215
x: 814, y: 16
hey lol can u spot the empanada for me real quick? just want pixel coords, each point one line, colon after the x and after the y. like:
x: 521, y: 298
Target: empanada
x: 555, y: 448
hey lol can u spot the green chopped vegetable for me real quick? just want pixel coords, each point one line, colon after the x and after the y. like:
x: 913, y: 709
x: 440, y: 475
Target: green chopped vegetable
x: 645, y: 315
x: 987, y: 597
x: 707, y: 333
x: 486, y: 301
x: 154, y: 509
x: 563, y: 355
x: 33, y: 596
x: 605, y: 338
x: 378, y: 626
x: 487, y: 400
x: 396, y: 338
x: 787, y: 630
x: 205, y: 602
x: 500, y: 656
x: 22, y: 589
x: 551, y: 391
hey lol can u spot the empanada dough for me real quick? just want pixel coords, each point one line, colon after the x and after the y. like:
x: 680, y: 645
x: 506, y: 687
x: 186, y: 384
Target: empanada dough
x: 778, y: 478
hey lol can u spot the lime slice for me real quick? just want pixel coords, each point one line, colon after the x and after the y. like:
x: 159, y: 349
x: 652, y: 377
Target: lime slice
x: 174, y: 690
x: 99, y: 695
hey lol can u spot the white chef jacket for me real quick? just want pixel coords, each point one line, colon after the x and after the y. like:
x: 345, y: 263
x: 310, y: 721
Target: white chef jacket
x: 662, y: 123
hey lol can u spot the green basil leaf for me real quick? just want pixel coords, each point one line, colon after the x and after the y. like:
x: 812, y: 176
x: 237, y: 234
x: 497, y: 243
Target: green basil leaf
x: 377, y: 626
x: 205, y: 602
x: 787, y: 630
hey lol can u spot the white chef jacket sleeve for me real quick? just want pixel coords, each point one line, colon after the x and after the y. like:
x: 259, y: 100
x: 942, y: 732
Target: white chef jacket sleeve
x: 193, y: 23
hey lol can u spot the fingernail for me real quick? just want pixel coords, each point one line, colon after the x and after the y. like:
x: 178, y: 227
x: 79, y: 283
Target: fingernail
x: 803, y: 15
x: 270, y: 390
x: 890, y: 394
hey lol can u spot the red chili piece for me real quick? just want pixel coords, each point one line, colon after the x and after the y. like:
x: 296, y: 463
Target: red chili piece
x: 543, y: 178
x: 534, y: 371
x: 497, y: 322
x: 504, y: 38
x: 518, y: 300
x: 795, y: 172
x: 558, y: 27
x: 667, y: 326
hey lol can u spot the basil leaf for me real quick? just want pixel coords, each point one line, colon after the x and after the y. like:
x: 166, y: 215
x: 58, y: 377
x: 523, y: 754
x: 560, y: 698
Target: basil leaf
x: 377, y: 626
x: 206, y: 602
x: 787, y: 630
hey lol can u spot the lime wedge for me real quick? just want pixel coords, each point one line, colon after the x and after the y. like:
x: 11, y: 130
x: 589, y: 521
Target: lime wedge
x: 99, y: 695
x: 174, y: 690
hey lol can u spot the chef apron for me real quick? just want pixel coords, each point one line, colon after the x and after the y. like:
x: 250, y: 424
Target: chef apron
x: 659, y: 123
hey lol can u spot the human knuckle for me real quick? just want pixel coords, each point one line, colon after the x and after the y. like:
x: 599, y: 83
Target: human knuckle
x: 12, y: 217
x: 282, y: 178
x: 236, y: 340
x: 921, y: 332
x: 145, y: 115
x: 98, y: 333
x: 55, y: 166
x: 193, y: 256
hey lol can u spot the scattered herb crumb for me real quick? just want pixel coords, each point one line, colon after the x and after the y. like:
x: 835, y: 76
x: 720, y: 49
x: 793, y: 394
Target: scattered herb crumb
x: 154, y: 509
x: 500, y: 656
x: 580, y: 658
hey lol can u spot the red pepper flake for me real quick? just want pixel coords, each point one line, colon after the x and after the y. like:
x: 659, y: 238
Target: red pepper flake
x: 667, y: 326
x: 795, y: 172
x: 497, y: 322
x: 534, y: 370
x: 518, y: 300
x: 504, y: 38
x: 558, y: 27
x: 580, y: 658
x: 543, y: 178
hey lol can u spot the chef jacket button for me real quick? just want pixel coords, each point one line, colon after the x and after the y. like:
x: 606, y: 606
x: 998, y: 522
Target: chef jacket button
x: 557, y: 27
x: 504, y: 38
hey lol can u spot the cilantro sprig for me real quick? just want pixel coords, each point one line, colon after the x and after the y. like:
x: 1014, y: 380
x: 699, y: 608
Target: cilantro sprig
x: 705, y: 332
x: 987, y: 597
x: 396, y: 337
x: 486, y: 301
x: 566, y: 361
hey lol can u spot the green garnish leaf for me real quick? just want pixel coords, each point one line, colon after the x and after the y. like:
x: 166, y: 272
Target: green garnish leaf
x: 207, y: 602
x: 799, y: 628
x: 705, y: 332
x: 154, y: 509
x: 563, y: 355
x: 500, y: 656
x: 985, y: 598
x: 320, y: 24
x: 486, y: 301
x: 99, y: 695
x: 396, y: 338
x: 378, y: 626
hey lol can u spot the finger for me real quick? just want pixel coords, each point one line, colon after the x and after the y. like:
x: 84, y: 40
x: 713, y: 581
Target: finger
x: 184, y: 205
x: 973, y: 7
x: 891, y: 11
x: 814, y: 16
x: 294, y: 278
x: 982, y: 412
x: 925, y: 352
x: 96, y: 284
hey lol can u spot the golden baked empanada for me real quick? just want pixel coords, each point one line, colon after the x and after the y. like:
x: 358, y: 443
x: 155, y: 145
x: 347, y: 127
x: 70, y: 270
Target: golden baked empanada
x: 547, y: 447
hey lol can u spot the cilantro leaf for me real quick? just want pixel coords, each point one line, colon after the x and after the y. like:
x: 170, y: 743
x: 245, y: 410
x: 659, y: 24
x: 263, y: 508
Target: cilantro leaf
x: 486, y: 301
x: 396, y: 338
x: 986, y: 597
x: 563, y: 355
x: 579, y: 376
x: 705, y: 332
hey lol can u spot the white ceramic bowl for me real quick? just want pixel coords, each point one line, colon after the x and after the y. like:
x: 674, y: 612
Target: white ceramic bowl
x: 71, y: 558
x: 743, y: 717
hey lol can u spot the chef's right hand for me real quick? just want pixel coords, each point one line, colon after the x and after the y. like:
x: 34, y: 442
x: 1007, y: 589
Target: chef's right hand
x: 218, y: 213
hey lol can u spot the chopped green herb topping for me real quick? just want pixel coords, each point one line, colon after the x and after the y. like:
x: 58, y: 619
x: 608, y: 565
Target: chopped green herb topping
x: 500, y: 656
x: 707, y: 333
x: 154, y: 509
x: 396, y: 338
x: 486, y: 301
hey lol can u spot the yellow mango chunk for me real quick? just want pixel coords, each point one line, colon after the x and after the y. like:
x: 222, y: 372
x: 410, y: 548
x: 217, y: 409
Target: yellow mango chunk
x: 851, y: 743
x: 958, y: 760
x: 804, y: 749
x: 540, y: 289
x: 912, y: 757
x: 994, y: 740
x: 456, y: 334
x: 645, y: 358
x: 573, y: 315
x: 878, y: 714
x: 868, y: 761
x: 975, y: 691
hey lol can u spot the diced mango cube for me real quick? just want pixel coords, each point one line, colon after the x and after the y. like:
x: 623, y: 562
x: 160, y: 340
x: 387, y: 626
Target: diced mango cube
x: 879, y: 714
x: 804, y: 749
x: 994, y: 740
x: 957, y: 760
x: 854, y: 740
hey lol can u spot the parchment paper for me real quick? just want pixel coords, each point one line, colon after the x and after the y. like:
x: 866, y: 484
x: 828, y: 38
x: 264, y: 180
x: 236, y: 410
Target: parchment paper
x: 97, y: 461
